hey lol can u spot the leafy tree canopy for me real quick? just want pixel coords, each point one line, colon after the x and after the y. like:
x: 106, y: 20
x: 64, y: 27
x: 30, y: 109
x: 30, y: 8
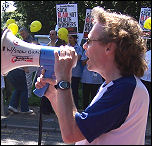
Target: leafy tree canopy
x: 45, y: 11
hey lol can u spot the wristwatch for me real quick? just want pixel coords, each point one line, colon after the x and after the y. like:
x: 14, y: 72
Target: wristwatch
x: 63, y: 85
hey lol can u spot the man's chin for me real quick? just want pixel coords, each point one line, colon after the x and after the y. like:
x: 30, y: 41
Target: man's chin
x: 89, y: 68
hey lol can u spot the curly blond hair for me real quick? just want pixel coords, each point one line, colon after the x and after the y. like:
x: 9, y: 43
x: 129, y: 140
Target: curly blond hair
x: 127, y: 34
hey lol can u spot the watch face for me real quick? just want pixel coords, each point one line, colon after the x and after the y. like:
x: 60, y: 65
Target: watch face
x: 64, y: 85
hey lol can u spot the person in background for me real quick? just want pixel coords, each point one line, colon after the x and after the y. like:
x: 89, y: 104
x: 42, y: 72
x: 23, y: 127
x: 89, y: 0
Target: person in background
x: 118, y: 113
x: 77, y: 71
x: 146, y: 79
x: 91, y: 81
x: 28, y: 70
x: 54, y: 40
x: 17, y: 78
x: 26, y: 36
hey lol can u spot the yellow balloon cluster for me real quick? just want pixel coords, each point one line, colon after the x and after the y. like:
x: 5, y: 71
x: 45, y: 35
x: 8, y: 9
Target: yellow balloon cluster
x: 11, y: 24
x: 147, y: 23
x: 35, y: 26
x: 63, y: 34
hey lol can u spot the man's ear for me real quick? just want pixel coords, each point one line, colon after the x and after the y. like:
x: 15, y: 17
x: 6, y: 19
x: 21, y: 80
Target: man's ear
x: 110, y: 47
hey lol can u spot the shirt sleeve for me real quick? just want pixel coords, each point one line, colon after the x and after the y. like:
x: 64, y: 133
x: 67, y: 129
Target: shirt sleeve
x: 106, y: 114
x: 78, y: 50
x: 84, y: 57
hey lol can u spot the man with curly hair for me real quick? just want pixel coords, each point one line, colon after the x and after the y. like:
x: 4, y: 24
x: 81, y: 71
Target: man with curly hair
x: 118, y: 113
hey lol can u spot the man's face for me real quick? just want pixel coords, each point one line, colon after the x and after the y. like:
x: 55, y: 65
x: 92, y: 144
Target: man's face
x: 95, y: 49
x: 53, y: 35
x: 24, y: 34
x: 71, y: 39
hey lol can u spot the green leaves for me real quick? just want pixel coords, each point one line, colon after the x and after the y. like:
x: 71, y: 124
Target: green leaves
x: 45, y: 11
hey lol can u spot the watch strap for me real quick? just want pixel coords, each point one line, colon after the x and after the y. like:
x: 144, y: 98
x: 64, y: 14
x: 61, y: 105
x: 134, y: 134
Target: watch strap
x: 59, y: 85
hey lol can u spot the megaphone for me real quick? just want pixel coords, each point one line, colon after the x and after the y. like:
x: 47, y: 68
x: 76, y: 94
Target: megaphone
x: 16, y: 53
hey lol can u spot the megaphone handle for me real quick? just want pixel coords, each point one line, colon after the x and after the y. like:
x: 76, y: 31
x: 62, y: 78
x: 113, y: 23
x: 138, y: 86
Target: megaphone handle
x: 40, y: 92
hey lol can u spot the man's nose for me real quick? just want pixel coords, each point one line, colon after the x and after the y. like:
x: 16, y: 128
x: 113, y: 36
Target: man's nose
x: 85, y: 45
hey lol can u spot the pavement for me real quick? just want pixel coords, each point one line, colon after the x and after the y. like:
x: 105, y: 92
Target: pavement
x: 23, y: 129
x: 30, y: 122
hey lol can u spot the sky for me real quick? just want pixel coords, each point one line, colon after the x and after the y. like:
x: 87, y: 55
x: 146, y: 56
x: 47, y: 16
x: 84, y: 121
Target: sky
x: 11, y: 8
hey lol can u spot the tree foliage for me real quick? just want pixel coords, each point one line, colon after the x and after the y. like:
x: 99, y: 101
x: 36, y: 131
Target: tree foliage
x: 45, y: 11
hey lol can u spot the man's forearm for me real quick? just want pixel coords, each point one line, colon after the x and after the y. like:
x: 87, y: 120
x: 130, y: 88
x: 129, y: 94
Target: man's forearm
x: 66, y: 115
x: 66, y: 110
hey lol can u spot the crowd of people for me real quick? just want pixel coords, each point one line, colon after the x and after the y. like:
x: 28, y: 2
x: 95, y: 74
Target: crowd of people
x: 110, y: 65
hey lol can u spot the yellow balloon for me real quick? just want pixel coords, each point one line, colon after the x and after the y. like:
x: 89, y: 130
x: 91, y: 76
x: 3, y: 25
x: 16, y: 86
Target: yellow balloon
x: 147, y: 23
x: 9, y: 21
x: 63, y: 34
x: 13, y: 27
x: 35, y: 26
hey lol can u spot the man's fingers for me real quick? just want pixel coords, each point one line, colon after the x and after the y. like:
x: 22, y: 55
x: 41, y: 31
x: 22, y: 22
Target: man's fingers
x: 41, y: 82
x: 56, y: 55
x: 48, y: 80
x: 43, y: 71
x: 39, y: 85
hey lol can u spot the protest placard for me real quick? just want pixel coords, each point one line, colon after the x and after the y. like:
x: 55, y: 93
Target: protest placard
x: 144, y: 14
x: 88, y: 23
x: 67, y: 17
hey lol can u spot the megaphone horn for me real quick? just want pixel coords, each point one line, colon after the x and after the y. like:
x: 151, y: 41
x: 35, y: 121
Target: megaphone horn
x: 16, y: 53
